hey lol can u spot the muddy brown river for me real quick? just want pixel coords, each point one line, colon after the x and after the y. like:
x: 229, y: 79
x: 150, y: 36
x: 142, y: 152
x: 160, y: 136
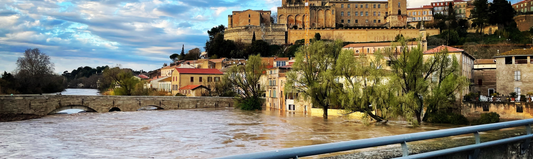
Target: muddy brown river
x: 199, y: 133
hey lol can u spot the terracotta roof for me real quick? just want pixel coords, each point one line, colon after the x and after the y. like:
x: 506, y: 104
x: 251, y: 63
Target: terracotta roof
x: 198, y: 71
x: 423, y: 7
x: 143, y: 76
x: 282, y: 59
x: 485, y: 61
x: 518, y: 52
x: 190, y: 87
x: 217, y: 60
x: 442, y: 48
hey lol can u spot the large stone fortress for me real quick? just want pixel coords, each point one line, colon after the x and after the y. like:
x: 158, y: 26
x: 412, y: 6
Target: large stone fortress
x: 344, y: 13
x: 350, y: 21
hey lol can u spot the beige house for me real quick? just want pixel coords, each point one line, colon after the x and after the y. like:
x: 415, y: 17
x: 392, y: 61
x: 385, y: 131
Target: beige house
x: 514, y: 72
x: 182, y: 77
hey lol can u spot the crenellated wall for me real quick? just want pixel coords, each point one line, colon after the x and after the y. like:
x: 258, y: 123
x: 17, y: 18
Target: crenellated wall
x: 358, y: 35
x: 274, y: 34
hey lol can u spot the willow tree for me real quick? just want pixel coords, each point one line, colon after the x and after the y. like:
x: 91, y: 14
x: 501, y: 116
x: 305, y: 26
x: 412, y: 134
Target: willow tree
x: 313, y: 73
x: 364, y: 85
x: 435, y: 78
x: 245, y: 78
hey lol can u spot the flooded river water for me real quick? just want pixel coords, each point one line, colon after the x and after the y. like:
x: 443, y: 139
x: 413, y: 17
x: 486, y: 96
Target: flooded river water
x: 198, y: 133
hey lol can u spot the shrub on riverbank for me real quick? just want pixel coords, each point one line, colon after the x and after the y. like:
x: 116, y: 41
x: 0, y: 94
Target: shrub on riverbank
x: 487, y: 118
x: 448, y: 118
x: 252, y: 103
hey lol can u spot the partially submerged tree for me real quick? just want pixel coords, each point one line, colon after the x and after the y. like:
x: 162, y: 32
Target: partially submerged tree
x: 364, y: 85
x: 246, y: 78
x: 313, y: 73
x: 413, y: 75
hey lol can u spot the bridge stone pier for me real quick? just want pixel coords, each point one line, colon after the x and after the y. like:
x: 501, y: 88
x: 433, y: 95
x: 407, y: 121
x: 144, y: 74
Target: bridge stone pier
x: 50, y: 104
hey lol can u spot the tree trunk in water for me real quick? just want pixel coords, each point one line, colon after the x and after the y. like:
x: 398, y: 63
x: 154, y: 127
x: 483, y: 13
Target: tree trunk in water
x: 375, y: 117
x: 325, y: 115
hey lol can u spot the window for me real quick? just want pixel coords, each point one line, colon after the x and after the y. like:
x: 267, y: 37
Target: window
x: 362, y: 14
x: 248, y: 15
x: 217, y: 79
x: 349, y: 14
x: 374, y: 5
x: 374, y: 13
x: 517, y: 90
x: 342, y: 13
x: 361, y: 6
x: 379, y: 13
x: 379, y: 21
x: 517, y: 75
x: 480, y: 82
x: 399, y: 4
x: 366, y: 13
x: 366, y: 6
x: 356, y: 14
x: 355, y: 6
x: 356, y: 21
x: 374, y: 21
x: 348, y: 20
x: 367, y: 21
x: 342, y: 5
x: 348, y: 5
x: 200, y: 79
x: 209, y: 79
x: 342, y: 20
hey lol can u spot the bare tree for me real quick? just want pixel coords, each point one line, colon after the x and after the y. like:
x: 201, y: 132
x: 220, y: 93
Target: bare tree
x: 35, y: 72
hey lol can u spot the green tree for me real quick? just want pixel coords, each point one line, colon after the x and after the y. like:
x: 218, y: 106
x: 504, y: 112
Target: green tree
x: 253, y: 37
x: 182, y: 54
x: 121, y: 80
x: 480, y: 14
x: 313, y: 74
x: 174, y: 57
x: 435, y: 79
x: 501, y: 12
x: 363, y: 85
x: 213, y: 33
x: 317, y: 36
x: 246, y: 79
x: 260, y: 47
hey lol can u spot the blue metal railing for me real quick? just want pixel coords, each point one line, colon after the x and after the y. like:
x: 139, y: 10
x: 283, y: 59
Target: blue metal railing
x: 403, y: 139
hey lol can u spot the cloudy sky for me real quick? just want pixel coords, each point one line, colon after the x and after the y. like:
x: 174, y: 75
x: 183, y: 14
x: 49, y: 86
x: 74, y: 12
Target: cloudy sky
x: 137, y: 34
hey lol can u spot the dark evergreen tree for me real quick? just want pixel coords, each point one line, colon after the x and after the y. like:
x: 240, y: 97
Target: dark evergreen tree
x: 501, y: 12
x: 253, y: 38
x: 182, y: 54
x: 480, y: 14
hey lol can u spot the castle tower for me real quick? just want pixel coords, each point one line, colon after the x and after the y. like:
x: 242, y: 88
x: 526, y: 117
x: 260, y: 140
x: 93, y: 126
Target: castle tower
x: 397, y: 13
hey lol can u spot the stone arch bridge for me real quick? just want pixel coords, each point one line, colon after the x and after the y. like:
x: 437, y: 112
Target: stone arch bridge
x: 50, y: 104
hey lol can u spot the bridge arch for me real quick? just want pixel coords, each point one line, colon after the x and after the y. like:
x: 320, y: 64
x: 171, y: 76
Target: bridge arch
x: 148, y: 108
x: 114, y: 109
x: 82, y: 107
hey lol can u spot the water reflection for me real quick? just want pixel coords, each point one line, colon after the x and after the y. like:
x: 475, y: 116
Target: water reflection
x: 199, y: 133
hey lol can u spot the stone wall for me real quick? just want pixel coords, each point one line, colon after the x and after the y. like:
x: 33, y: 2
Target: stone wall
x: 274, y: 34
x: 484, y: 79
x: 358, y: 35
x: 43, y: 105
x: 524, y: 22
x: 505, y: 76
x: 507, y: 111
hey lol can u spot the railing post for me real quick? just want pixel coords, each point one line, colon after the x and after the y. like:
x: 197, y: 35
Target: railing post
x: 476, y: 151
x: 525, y: 145
x: 405, y: 149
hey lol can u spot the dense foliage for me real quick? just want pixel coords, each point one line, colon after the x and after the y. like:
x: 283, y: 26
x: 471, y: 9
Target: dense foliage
x: 245, y: 78
x: 487, y: 118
